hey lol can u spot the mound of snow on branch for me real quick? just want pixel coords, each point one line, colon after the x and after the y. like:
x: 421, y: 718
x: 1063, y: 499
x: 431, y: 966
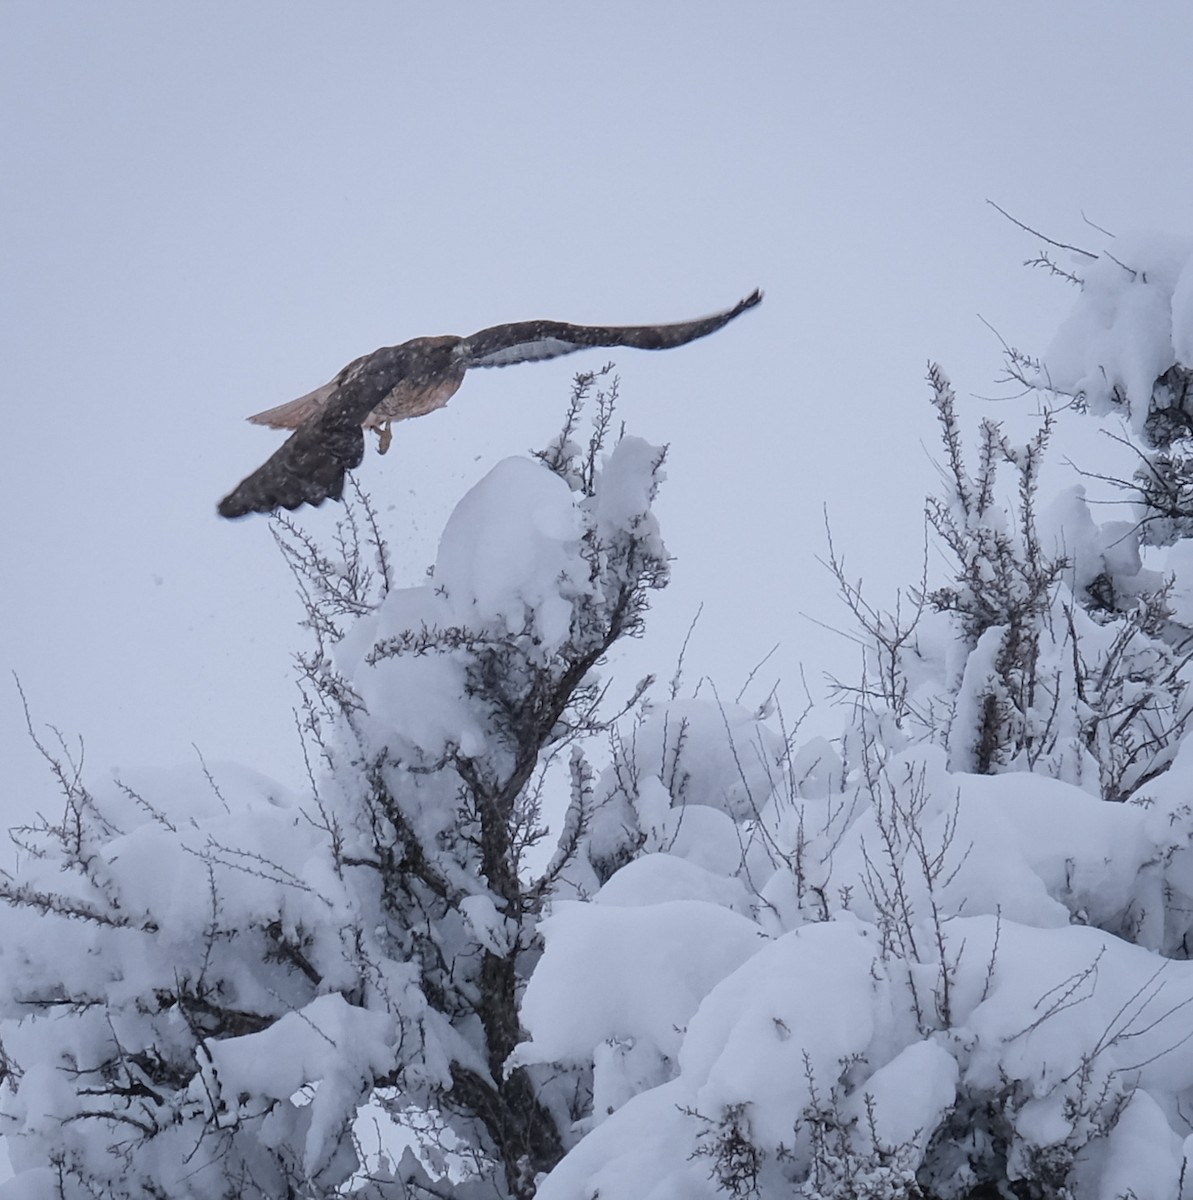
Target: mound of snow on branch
x: 1131, y: 323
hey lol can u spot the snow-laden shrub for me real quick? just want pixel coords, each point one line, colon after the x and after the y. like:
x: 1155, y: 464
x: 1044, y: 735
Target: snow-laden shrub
x: 929, y: 961
x: 969, y: 976
x: 1126, y: 350
x: 212, y: 988
x: 1051, y: 649
x: 919, y: 985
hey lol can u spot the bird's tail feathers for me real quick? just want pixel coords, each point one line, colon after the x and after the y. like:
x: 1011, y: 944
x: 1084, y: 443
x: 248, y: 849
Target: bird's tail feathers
x: 294, y: 412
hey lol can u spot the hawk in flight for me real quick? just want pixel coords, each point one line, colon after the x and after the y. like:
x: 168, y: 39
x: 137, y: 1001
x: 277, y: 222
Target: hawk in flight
x: 410, y: 380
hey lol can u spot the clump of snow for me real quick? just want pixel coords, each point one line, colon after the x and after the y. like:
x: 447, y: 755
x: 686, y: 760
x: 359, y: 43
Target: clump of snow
x: 904, y: 1100
x: 675, y: 951
x: 1142, y: 1156
x: 510, y: 553
x: 1068, y: 531
x: 336, y: 1046
x: 628, y: 480
x: 487, y: 924
x: 675, y: 875
x: 683, y: 744
x: 1132, y: 321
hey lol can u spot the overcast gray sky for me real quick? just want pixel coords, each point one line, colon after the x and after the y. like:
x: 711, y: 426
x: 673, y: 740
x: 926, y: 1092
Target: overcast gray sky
x: 206, y: 209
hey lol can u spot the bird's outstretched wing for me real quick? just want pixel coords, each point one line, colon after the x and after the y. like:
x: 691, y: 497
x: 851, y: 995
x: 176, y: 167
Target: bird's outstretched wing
x: 308, y: 467
x: 310, y: 464
x: 528, y: 341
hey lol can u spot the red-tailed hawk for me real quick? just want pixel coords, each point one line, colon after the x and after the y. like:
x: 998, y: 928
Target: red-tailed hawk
x: 409, y: 380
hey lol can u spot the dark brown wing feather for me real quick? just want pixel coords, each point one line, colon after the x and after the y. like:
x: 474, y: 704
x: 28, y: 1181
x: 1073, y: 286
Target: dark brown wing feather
x: 310, y: 465
x: 527, y: 341
x: 307, y: 468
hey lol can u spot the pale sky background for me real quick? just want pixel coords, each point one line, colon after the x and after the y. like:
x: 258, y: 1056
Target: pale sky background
x: 207, y: 209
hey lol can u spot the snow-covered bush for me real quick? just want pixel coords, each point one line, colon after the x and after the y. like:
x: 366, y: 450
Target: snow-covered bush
x: 922, y: 984
x: 1049, y: 650
x: 969, y: 976
x: 946, y: 957
x: 207, y: 982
